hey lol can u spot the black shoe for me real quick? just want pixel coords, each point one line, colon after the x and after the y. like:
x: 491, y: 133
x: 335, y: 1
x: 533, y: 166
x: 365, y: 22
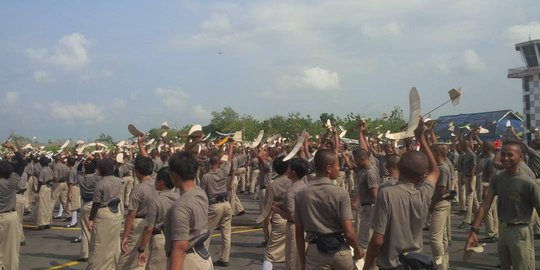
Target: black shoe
x: 58, y: 217
x: 241, y: 192
x: 464, y: 225
x: 76, y: 240
x: 83, y: 260
x: 40, y: 228
x: 262, y: 245
x: 68, y: 219
x: 221, y: 263
x: 23, y: 243
x: 71, y: 226
x: 489, y: 239
x: 241, y: 213
x: 426, y: 228
x: 536, y: 236
x: 46, y: 227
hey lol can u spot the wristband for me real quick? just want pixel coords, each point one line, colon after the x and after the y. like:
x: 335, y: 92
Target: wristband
x: 140, y: 250
x: 475, y: 230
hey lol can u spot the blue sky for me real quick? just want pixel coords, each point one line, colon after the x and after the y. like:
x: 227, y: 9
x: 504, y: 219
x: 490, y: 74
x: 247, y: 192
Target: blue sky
x: 71, y: 69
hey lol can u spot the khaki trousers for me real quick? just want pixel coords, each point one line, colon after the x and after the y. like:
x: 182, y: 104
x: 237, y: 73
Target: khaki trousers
x: 128, y: 260
x: 105, y: 240
x: 74, y: 199
x: 516, y: 247
x: 535, y: 221
x: 157, y: 258
x: 19, y: 207
x: 31, y: 186
x: 341, y: 180
x: 221, y: 214
x: 492, y: 220
x: 365, y: 231
x: 44, y: 207
x: 472, y: 201
x: 85, y: 231
x: 454, y: 184
x: 292, y: 261
x: 242, y: 178
x: 439, y: 236
x: 236, y: 205
x: 462, y: 192
x: 317, y: 260
x: 10, y: 240
x: 253, y: 180
x: 275, y: 249
x: 193, y: 261
x: 59, y: 192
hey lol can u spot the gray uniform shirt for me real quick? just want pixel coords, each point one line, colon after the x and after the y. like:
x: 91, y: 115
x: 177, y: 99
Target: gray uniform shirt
x: 278, y: 189
x: 488, y: 171
x: 469, y: 163
x: 367, y: 179
x: 60, y: 172
x: 87, y: 184
x: 215, y: 181
x: 140, y: 197
x: 72, y: 176
x: 399, y: 215
x: 8, y: 189
x: 158, y: 208
x: 265, y: 174
x: 322, y: 207
x: 290, y: 196
x: 107, y: 189
x: 187, y: 219
x: 534, y: 161
x: 517, y: 195
x: 45, y: 175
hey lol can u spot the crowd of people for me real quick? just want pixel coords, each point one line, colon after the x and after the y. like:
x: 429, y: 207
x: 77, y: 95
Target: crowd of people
x: 325, y: 206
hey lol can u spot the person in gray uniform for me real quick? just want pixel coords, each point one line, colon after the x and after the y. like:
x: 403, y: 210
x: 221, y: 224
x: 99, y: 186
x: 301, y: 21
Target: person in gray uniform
x: 323, y: 212
x: 518, y: 196
x: 9, y: 221
x: 186, y: 223
x: 153, y: 237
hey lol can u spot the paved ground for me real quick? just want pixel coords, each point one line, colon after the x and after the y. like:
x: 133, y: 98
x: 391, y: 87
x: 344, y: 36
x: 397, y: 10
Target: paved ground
x: 51, y: 249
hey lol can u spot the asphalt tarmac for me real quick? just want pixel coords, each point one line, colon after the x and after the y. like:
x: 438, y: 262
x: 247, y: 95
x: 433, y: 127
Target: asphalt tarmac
x: 52, y: 249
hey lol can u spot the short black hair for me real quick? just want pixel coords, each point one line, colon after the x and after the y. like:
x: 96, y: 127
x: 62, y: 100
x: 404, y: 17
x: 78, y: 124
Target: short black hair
x: 215, y: 158
x: 184, y: 164
x: 6, y: 169
x: 44, y: 161
x: 106, y: 167
x: 279, y: 165
x: 361, y: 153
x: 164, y: 174
x: 323, y: 158
x: 71, y: 161
x: 144, y: 165
x: 518, y: 144
x: 392, y: 161
x: 299, y: 166
x: 89, y: 167
x: 413, y: 165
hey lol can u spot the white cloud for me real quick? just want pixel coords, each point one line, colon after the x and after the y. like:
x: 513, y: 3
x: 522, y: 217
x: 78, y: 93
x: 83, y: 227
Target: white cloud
x: 118, y: 104
x: 217, y: 23
x: 320, y: 79
x: 520, y: 33
x: 11, y: 98
x: 172, y: 99
x: 41, y: 76
x: 388, y: 30
x: 472, y: 61
x: 86, y: 112
x: 200, y: 112
x: 71, y: 53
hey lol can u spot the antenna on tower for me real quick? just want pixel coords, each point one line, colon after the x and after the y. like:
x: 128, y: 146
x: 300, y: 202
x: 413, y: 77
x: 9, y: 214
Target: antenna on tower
x: 529, y: 36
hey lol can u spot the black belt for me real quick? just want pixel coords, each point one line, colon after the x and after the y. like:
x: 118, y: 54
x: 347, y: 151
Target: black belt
x: 8, y: 211
x: 513, y: 224
x: 21, y: 191
x: 140, y: 216
x: 156, y: 231
x: 366, y: 204
x: 216, y: 201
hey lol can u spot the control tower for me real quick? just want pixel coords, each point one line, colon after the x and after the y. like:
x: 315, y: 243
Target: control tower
x: 530, y: 77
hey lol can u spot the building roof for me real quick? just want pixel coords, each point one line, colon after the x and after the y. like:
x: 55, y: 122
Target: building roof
x: 488, y: 120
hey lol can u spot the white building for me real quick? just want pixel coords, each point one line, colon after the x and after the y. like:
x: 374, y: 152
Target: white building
x: 530, y: 76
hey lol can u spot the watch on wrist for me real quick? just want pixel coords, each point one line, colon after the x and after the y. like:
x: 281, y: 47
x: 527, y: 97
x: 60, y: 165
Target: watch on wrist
x: 475, y: 230
x: 140, y: 250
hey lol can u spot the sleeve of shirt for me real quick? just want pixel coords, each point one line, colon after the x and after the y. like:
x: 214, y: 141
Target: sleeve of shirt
x: 135, y: 199
x: 72, y: 177
x: 225, y: 169
x: 180, y: 218
x: 426, y: 191
x: 381, y: 214
x: 373, y: 179
x: 493, y: 185
x: 98, y: 192
x: 444, y: 179
x: 345, y: 211
x: 204, y: 182
x: 297, y: 213
x: 151, y: 214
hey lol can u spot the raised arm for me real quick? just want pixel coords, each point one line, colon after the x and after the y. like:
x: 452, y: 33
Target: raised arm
x: 433, y: 174
x: 140, y: 143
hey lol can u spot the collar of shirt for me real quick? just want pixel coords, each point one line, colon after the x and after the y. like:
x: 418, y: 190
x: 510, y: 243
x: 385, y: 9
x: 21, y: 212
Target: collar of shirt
x: 321, y: 180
